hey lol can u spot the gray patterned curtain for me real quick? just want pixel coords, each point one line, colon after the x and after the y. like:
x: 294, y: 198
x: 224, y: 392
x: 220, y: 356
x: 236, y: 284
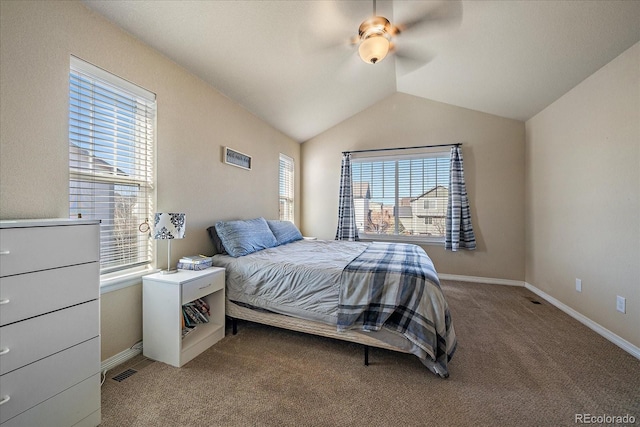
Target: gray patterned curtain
x: 459, y: 234
x: 347, y: 229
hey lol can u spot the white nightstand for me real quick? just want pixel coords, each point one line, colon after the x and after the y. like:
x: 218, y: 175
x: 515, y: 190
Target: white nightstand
x: 162, y: 298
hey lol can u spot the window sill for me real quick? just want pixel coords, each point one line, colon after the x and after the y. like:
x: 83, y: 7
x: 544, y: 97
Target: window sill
x: 402, y: 239
x: 117, y: 281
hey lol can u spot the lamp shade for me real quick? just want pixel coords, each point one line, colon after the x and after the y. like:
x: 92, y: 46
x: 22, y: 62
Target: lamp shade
x: 169, y: 226
x: 374, y: 49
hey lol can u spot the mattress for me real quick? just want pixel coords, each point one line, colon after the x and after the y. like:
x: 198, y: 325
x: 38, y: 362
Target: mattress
x: 298, y: 279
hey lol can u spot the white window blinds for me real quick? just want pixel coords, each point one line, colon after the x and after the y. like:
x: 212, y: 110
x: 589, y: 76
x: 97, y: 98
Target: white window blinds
x: 401, y: 196
x: 286, y: 183
x: 111, y: 142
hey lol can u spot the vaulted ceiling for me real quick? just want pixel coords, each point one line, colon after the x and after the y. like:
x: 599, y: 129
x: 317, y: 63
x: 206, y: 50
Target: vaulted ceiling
x: 292, y: 63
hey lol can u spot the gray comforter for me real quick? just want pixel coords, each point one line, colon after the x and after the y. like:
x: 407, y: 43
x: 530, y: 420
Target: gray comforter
x: 353, y: 285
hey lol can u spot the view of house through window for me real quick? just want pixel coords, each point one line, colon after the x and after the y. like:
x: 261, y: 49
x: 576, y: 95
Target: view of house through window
x: 401, y: 196
x: 111, y: 140
x: 286, y: 191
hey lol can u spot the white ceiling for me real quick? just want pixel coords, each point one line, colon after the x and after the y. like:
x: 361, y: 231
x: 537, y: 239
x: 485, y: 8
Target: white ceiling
x: 291, y: 62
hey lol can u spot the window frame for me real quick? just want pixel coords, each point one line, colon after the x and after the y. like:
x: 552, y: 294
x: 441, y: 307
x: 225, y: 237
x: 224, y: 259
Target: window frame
x: 395, y: 157
x: 286, y: 187
x: 138, y: 150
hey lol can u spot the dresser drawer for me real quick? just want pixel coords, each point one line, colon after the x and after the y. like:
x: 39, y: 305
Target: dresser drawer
x: 77, y: 406
x: 39, y: 248
x: 26, y: 387
x: 197, y: 288
x: 32, y: 294
x: 25, y: 342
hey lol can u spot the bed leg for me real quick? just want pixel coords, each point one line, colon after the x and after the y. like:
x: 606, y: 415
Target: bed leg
x: 366, y: 355
x: 234, y: 325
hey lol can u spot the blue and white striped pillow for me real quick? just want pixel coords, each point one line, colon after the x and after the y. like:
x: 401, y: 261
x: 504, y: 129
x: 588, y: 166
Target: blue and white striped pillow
x: 241, y: 238
x: 284, y: 231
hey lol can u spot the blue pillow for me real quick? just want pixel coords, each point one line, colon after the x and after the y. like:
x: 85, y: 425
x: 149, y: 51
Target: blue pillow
x: 284, y: 231
x: 241, y: 238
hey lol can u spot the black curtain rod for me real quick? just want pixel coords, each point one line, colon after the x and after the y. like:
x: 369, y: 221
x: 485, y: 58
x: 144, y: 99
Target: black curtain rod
x: 402, y: 148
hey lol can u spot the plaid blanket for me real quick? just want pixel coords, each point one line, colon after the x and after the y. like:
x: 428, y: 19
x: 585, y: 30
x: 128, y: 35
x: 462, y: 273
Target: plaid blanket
x: 395, y: 286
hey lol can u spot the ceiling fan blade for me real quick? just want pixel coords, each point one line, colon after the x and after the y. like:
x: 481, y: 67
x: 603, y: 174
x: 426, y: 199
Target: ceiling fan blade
x: 411, y: 58
x: 445, y: 12
x: 329, y: 26
x: 349, y: 69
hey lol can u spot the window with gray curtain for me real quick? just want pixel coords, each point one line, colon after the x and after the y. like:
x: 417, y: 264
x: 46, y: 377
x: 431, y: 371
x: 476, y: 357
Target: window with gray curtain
x: 111, y: 177
x: 401, y: 197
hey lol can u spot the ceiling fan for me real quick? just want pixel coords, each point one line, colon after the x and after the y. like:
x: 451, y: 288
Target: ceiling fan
x: 374, y: 38
x: 376, y: 34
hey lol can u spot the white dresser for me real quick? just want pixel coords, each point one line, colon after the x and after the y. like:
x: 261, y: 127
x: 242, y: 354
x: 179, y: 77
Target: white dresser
x: 49, y: 323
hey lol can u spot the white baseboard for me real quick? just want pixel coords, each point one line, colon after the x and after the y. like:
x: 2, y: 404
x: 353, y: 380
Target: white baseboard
x: 485, y: 280
x: 121, y: 357
x: 617, y: 340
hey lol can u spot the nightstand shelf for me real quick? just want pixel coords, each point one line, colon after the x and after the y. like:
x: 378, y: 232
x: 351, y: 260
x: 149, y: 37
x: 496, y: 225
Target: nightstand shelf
x: 162, y: 300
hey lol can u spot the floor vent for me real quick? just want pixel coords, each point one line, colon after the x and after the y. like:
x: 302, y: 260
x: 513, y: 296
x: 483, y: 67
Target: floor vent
x: 124, y: 375
x: 533, y: 300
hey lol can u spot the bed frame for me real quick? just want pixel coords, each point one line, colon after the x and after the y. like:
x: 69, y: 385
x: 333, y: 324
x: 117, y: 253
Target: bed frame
x: 235, y: 312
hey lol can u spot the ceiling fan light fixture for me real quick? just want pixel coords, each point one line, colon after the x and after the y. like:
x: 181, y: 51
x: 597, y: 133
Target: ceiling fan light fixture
x: 374, y: 49
x: 375, y: 35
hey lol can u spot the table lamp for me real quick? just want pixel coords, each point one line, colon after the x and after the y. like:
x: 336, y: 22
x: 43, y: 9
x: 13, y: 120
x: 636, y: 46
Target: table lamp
x: 169, y: 226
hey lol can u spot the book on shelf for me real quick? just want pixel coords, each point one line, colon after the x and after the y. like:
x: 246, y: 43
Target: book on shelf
x: 193, y: 318
x: 196, y: 312
x: 188, y: 322
x: 186, y: 331
x: 203, y: 306
x: 200, y: 318
x: 203, y: 309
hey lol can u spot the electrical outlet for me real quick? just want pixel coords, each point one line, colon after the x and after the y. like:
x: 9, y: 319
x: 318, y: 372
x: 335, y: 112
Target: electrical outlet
x: 579, y: 285
x: 621, y: 304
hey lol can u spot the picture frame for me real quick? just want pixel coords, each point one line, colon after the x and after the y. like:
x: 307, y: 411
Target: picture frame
x: 236, y: 158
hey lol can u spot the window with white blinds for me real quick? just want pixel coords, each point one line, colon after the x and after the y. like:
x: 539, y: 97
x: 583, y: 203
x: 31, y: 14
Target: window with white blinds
x: 401, y: 197
x: 111, y: 142
x: 286, y: 191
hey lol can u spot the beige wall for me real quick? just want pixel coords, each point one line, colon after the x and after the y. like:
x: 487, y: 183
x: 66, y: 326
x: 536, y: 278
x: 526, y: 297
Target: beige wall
x: 493, y: 151
x: 583, y: 196
x: 582, y: 161
x: 194, y: 122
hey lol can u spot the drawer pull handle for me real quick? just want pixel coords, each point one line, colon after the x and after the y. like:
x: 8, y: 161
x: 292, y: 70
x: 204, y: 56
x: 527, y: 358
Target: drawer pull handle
x: 5, y: 399
x: 5, y: 252
x: 4, y: 351
x: 205, y: 287
x: 4, y: 301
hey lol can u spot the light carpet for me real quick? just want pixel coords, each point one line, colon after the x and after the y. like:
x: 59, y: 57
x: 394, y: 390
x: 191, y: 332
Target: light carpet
x: 517, y: 364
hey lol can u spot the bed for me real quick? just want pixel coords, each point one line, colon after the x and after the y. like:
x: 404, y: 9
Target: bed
x: 384, y: 295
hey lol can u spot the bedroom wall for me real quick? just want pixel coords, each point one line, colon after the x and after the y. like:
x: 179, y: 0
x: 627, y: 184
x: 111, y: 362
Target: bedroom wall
x: 194, y: 121
x: 493, y: 151
x: 583, y: 196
